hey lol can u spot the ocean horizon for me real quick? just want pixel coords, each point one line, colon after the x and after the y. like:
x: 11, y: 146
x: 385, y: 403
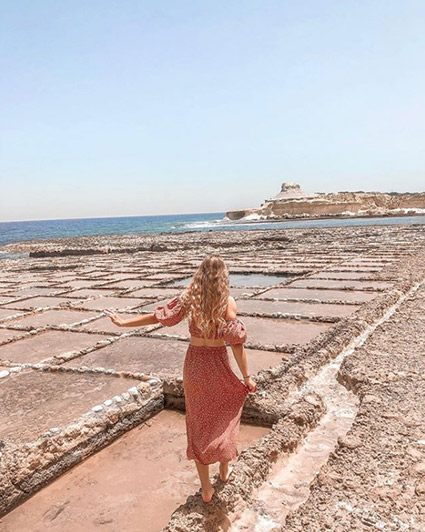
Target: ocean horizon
x: 19, y: 231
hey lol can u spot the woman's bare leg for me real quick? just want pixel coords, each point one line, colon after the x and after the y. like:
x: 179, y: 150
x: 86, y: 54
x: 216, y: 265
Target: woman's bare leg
x: 225, y: 470
x: 204, y: 476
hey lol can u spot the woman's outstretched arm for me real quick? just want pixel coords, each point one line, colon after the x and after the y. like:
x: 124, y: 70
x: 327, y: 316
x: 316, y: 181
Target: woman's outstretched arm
x: 146, y: 319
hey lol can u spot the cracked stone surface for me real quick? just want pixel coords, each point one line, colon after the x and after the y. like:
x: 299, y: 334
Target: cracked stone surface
x: 43, y: 400
x: 375, y: 479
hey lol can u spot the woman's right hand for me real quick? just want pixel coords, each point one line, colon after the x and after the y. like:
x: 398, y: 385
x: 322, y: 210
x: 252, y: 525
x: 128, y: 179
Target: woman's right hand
x: 117, y: 320
x: 252, y: 386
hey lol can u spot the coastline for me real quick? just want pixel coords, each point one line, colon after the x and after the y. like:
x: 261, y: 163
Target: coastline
x: 98, y: 241
x: 333, y: 217
x: 244, y: 241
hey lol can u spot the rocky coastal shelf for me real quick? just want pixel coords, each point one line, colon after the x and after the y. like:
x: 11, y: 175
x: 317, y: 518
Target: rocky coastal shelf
x: 293, y: 203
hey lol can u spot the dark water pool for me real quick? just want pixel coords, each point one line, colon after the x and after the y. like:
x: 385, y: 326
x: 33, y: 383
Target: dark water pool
x: 243, y: 279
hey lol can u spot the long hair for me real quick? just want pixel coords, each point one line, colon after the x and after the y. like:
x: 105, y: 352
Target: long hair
x: 205, y: 299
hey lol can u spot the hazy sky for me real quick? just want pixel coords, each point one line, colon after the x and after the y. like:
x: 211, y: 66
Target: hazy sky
x: 135, y: 107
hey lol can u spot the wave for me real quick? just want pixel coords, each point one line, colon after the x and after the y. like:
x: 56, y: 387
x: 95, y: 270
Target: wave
x: 205, y: 224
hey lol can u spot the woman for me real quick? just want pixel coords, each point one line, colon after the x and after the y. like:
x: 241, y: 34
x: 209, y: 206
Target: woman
x: 214, y: 395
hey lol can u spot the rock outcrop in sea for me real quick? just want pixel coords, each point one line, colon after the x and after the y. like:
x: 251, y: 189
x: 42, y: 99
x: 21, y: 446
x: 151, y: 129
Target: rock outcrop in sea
x: 293, y: 202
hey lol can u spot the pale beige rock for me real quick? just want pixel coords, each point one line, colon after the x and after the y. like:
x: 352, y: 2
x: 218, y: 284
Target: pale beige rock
x: 292, y: 202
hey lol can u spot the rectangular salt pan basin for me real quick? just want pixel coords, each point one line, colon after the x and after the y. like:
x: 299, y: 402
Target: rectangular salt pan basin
x: 132, y: 485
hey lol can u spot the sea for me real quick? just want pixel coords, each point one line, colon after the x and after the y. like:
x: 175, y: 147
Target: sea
x: 19, y: 231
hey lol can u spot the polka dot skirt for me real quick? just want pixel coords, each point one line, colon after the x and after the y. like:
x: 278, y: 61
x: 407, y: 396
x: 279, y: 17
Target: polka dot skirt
x: 214, y: 401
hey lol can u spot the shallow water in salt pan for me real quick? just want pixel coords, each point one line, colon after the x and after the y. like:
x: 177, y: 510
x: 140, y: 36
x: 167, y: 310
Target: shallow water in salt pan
x: 243, y: 279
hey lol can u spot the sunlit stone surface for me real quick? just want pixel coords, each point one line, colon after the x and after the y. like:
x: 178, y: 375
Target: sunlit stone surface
x: 85, y: 432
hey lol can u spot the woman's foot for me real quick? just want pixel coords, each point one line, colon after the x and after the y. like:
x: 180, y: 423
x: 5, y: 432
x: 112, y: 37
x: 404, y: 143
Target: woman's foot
x: 207, y: 494
x: 225, y: 470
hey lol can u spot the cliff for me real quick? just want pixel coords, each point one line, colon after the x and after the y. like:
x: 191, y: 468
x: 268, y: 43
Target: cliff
x: 293, y: 202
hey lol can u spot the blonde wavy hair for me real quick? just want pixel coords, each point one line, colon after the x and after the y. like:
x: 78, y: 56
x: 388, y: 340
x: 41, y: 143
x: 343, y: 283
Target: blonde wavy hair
x: 205, y: 299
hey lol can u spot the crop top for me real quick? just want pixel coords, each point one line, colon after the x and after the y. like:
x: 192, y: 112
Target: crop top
x: 234, y: 332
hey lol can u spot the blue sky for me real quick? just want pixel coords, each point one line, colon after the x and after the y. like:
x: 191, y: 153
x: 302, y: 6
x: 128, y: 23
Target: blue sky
x: 142, y: 107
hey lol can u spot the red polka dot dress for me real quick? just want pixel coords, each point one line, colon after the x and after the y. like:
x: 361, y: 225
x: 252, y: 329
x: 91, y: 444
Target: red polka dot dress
x: 214, y: 395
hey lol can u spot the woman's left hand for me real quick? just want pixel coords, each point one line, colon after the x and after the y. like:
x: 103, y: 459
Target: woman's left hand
x: 252, y: 386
